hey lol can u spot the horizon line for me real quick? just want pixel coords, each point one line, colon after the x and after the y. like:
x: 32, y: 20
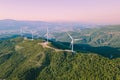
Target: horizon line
x: 61, y: 21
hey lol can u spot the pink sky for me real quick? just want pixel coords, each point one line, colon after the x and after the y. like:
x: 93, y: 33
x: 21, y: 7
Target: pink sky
x: 90, y: 11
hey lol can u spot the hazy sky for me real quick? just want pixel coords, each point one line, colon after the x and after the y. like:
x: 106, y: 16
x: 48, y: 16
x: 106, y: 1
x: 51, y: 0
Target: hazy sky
x: 90, y: 11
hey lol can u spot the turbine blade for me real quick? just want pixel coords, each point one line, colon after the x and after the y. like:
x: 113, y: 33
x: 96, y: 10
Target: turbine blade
x: 69, y: 36
x: 77, y: 39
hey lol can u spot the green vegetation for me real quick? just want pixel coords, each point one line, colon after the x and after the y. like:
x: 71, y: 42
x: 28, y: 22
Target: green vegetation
x: 104, y: 36
x: 8, y: 36
x: 28, y: 60
x: 104, y: 41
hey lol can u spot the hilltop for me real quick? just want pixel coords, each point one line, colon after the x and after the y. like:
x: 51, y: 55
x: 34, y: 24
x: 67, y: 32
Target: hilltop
x: 29, y: 60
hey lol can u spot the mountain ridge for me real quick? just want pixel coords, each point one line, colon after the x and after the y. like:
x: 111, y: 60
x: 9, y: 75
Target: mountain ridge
x: 27, y: 60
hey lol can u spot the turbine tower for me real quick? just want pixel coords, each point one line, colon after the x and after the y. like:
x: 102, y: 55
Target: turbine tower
x: 21, y: 32
x: 47, y: 34
x: 32, y: 34
x: 72, y: 42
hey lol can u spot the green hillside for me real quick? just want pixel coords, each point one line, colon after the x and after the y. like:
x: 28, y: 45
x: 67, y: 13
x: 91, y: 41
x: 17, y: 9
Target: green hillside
x: 29, y: 60
x: 104, y: 36
x: 104, y: 40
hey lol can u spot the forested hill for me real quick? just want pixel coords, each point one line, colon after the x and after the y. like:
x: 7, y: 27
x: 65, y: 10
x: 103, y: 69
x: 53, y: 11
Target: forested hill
x: 29, y: 60
x: 102, y: 36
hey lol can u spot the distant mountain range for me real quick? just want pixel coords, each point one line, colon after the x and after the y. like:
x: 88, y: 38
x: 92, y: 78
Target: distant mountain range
x: 9, y: 24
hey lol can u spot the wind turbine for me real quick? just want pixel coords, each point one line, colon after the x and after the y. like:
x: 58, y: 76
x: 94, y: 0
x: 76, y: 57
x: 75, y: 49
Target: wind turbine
x: 72, y: 42
x: 47, y: 34
x: 21, y: 32
x: 32, y: 34
x: 37, y: 34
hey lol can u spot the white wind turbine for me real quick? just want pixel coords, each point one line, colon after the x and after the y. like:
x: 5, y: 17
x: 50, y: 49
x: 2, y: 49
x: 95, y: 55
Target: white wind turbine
x: 21, y: 32
x: 72, y: 42
x: 37, y: 34
x: 32, y: 34
x: 47, y: 34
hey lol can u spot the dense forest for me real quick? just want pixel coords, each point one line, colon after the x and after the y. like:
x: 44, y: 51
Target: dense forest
x: 28, y: 60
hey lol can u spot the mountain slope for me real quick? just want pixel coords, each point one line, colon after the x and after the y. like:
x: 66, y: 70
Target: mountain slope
x: 104, y: 36
x: 28, y: 60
